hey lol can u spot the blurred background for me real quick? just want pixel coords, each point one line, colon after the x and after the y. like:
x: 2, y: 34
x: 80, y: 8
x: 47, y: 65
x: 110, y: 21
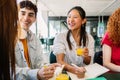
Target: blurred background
x: 51, y: 18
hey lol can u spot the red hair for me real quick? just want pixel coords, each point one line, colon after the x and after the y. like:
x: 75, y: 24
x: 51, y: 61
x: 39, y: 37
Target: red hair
x: 113, y: 27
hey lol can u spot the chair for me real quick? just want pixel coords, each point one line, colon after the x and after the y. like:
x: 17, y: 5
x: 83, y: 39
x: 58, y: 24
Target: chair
x: 52, y: 58
x: 98, y: 58
x: 43, y: 40
x: 49, y: 43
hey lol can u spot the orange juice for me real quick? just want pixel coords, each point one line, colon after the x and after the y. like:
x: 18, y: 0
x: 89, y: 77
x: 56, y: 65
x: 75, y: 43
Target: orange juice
x: 79, y: 51
x: 62, y: 77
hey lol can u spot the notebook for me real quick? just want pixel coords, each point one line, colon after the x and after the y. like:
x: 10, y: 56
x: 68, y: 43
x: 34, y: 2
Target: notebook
x: 92, y: 71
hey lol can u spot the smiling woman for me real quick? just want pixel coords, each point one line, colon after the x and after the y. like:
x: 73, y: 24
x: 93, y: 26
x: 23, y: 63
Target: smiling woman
x: 66, y: 43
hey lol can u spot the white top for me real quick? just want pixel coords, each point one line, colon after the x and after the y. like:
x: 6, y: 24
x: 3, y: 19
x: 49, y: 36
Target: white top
x: 61, y: 46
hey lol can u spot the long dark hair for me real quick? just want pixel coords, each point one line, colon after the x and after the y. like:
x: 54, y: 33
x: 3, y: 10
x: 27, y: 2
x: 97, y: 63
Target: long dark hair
x: 8, y: 33
x: 83, y: 35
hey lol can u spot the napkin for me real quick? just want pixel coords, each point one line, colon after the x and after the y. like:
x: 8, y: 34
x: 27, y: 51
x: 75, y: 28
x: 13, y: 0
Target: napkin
x: 58, y: 71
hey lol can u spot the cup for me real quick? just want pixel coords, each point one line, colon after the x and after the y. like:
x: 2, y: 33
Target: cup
x: 79, y: 51
x: 62, y: 77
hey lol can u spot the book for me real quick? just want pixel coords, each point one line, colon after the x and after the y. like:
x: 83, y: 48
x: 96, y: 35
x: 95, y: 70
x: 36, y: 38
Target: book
x: 92, y: 71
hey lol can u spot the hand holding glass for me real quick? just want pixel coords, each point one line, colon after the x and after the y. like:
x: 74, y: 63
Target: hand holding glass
x: 82, y: 51
x: 79, y: 51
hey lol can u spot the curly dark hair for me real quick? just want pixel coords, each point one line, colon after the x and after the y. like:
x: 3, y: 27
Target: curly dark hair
x: 113, y: 27
x: 28, y: 5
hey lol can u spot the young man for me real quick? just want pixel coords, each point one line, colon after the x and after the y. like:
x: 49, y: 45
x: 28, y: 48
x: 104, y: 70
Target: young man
x: 28, y: 50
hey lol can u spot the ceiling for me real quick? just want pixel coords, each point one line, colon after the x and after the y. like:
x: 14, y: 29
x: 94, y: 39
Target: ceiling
x: 92, y: 7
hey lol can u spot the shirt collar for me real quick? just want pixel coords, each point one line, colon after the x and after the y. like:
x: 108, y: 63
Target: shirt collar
x: 72, y: 40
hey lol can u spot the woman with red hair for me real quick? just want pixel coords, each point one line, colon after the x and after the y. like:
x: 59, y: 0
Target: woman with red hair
x: 111, y: 43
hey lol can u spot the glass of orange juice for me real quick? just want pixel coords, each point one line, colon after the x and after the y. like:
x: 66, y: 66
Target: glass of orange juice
x: 79, y: 51
x: 62, y: 77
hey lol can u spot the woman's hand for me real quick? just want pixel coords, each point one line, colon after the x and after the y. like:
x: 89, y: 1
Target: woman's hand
x: 86, y: 56
x: 85, y: 52
x: 80, y: 72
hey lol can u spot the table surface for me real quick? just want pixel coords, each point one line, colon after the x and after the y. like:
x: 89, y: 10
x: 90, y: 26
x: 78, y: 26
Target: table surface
x: 112, y: 76
x: 108, y: 75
